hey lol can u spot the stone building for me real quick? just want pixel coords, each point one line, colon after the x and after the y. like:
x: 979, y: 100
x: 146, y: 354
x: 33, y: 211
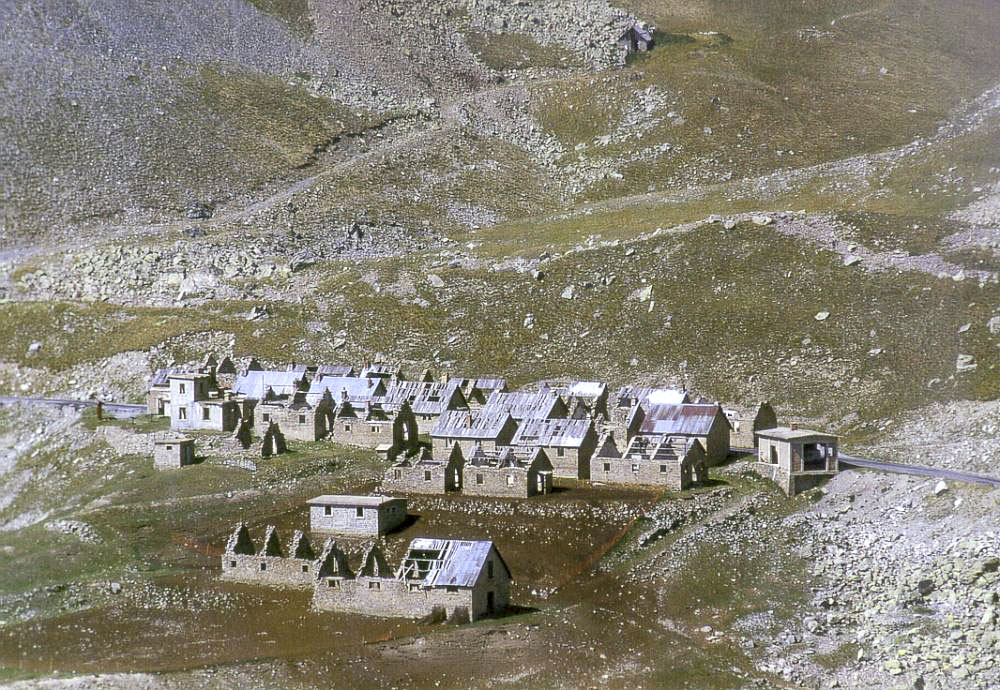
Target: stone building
x: 195, y: 404
x: 253, y: 385
x: 478, y: 390
x: 158, y: 394
x: 427, y: 399
x: 747, y: 424
x: 171, y: 453
x: 371, y: 426
x: 364, y: 516
x: 488, y: 429
x: 355, y: 389
x: 426, y: 473
x: 568, y: 443
x: 672, y: 462
x: 338, y: 370
x: 707, y: 423
x: 796, y: 459
x: 637, y: 38
x: 624, y: 400
x: 527, y: 405
x: 445, y: 578
x: 584, y: 399
x: 295, y: 416
x: 383, y: 371
x: 242, y: 562
x: 507, y: 473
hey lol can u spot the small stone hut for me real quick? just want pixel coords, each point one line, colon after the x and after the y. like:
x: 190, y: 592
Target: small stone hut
x: 173, y: 452
x: 426, y: 473
x: 359, y: 516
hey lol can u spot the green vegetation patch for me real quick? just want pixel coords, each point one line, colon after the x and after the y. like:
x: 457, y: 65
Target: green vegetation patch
x: 513, y: 51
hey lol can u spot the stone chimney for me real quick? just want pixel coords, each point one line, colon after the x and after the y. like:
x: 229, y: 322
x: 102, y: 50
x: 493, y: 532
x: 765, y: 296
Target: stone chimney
x: 343, y: 394
x: 468, y: 420
x: 794, y: 426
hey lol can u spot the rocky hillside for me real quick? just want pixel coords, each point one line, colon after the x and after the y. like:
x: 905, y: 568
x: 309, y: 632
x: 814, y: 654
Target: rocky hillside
x: 794, y: 202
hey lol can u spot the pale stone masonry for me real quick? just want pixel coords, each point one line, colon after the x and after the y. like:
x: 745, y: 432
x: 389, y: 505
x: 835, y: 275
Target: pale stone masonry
x: 672, y: 462
x: 358, y: 516
x: 424, y: 472
x: 704, y: 422
x: 488, y: 429
x: 298, y: 419
x: 172, y: 453
x: 568, y: 443
x: 507, y: 473
x: 796, y: 459
x: 195, y: 404
x: 242, y: 562
x: 447, y: 578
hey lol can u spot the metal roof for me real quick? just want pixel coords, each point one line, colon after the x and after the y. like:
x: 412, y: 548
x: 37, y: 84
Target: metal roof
x: 524, y: 405
x: 687, y: 420
x: 423, y: 397
x: 358, y: 389
x: 352, y: 501
x: 254, y: 384
x: 626, y: 396
x: 161, y: 377
x: 334, y: 370
x: 447, y: 562
x: 566, y: 433
x: 463, y: 424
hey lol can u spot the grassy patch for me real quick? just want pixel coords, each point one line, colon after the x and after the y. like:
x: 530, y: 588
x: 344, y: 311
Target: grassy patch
x: 512, y: 51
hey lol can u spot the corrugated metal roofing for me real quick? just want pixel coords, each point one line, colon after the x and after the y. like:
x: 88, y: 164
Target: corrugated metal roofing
x: 688, y: 420
x: 524, y: 405
x: 424, y: 397
x: 462, y: 424
x: 448, y: 562
x: 161, y: 376
x: 334, y: 370
x: 565, y: 433
x: 360, y: 390
x: 626, y: 396
x: 253, y: 384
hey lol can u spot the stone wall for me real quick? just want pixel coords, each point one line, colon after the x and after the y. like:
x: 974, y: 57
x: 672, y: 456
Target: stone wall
x: 390, y: 598
x: 269, y: 570
x: 645, y: 472
x: 506, y: 482
x: 414, y: 479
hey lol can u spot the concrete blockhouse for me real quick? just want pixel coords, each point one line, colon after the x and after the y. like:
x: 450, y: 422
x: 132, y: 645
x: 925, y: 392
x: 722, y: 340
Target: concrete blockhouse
x: 171, y: 453
x: 364, y: 516
x: 796, y: 459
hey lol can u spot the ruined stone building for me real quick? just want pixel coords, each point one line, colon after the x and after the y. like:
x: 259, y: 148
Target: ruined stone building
x: 253, y: 385
x: 425, y: 472
x: 747, y: 424
x: 196, y: 404
x: 427, y: 399
x: 356, y: 516
x: 173, y: 452
x: 637, y: 38
x: 527, y: 405
x: 383, y: 371
x: 271, y: 565
x: 488, y: 429
x: 672, y: 462
x: 371, y: 426
x: 796, y: 459
x: 624, y: 400
x: 478, y: 390
x: 568, y: 443
x: 507, y: 473
x: 584, y: 399
x: 443, y: 578
x: 707, y: 423
x: 295, y: 416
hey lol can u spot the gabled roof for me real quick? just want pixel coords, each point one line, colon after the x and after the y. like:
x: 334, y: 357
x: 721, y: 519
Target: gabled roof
x: 447, y: 562
x: 423, y: 397
x: 254, y: 384
x: 358, y: 389
x: 462, y: 424
x: 381, y: 370
x: 524, y: 405
x: 334, y: 370
x: 565, y: 433
x: 626, y: 396
x: 689, y: 419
